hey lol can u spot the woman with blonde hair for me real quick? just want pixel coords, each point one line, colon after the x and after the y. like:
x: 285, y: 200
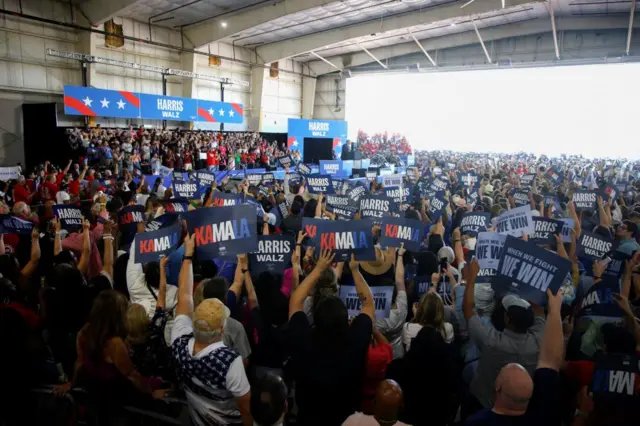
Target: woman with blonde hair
x: 145, y: 337
x: 429, y: 312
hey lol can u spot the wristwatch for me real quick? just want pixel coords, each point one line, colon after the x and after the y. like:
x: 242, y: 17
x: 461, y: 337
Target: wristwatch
x: 187, y: 258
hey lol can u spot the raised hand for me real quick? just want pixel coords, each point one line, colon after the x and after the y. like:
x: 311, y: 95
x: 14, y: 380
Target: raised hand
x: 326, y: 259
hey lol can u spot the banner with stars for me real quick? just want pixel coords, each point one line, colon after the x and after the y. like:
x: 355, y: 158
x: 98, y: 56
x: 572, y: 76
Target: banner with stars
x: 94, y: 102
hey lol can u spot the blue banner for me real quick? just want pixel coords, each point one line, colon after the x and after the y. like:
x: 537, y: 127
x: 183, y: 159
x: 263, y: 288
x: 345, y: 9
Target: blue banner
x: 437, y: 206
x: 382, y: 298
x: 94, y: 102
x: 14, y: 225
x: 173, y: 206
x: 162, y: 221
x: 398, y: 230
x: 528, y: 271
x: 223, y: 231
x: 469, y: 179
x: 342, y: 238
x: 300, y: 129
x: 149, y: 246
x: 585, y: 200
x: 474, y: 222
x: 70, y: 216
x: 399, y: 194
x: 598, y: 301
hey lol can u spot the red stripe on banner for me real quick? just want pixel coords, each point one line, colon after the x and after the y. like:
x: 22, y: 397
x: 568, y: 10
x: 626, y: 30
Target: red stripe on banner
x: 205, y: 114
x: 290, y: 141
x: 238, y: 108
x: 78, y: 106
x: 133, y: 99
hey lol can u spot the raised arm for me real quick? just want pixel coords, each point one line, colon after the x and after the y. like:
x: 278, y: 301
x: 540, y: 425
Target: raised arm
x: 83, y: 264
x: 552, y: 346
x: 32, y: 265
x: 84, y: 172
x: 57, y: 242
x: 562, y: 252
x: 185, y: 279
x: 318, y: 213
x: 248, y: 282
x: 107, y: 261
x: 400, y: 286
x: 457, y: 246
x: 604, y: 219
x: 162, y: 290
x: 238, y: 279
x: 470, y: 273
x: 363, y: 290
x: 296, y: 302
x: 295, y: 262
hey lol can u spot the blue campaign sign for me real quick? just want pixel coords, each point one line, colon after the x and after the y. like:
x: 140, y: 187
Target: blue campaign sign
x: 375, y: 206
x: 149, y: 246
x: 223, y: 231
x: 398, y: 230
x: 186, y: 189
x: 128, y: 219
x: 330, y: 167
x: 545, y: 230
x: 11, y: 224
x: 382, y: 298
x: 222, y: 199
x: 437, y: 206
x: 474, y: 222
x: 516, y: 222
x: 70, y: 216
x: 299, y: 129
x: 488, y: 251
x: 273, y: 254
x: 94, y: 102
x: 320, y: 184
x: 528, y: 271
x: 594, y: 246
x: 342, y: 238
x: 598, y: 301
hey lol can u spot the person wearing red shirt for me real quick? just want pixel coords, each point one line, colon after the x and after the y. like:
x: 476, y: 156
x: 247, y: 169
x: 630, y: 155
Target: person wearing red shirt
x: 188, y: 161
x: 379, y: 356
x: 22, y: 192
x: 62, y: 174
x: 74, y: 185
x: 48, y: 189
x: 210, y: 158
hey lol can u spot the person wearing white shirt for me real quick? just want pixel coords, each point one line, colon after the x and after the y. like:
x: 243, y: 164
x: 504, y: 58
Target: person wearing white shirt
x: 429, y: 312
x: 213, y: 376
x: 143, y: 285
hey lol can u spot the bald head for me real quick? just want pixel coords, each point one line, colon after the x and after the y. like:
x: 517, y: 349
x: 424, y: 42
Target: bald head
x: 514, y: 387
x: 388, y: 400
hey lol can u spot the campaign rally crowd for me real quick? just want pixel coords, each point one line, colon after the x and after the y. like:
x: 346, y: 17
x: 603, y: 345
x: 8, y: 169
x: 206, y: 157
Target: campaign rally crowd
x: 466, y: 288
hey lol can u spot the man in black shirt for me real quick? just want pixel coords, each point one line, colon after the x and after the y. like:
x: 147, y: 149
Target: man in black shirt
x: 328, y: 359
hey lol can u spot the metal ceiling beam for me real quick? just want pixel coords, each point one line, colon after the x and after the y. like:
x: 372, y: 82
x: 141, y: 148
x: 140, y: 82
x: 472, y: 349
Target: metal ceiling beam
x: 371, y: 54
x: 212, y: 30
x: 630, y: 30
x: 553, y: 28
x: 295, y: 46
x: 484, y: 48
x: 422, y: 48
x: 326, y: 61
x: 99, y: 11
x: 538, y: 26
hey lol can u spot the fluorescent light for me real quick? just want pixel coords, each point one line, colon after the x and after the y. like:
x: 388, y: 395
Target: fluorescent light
x: 223, y: 24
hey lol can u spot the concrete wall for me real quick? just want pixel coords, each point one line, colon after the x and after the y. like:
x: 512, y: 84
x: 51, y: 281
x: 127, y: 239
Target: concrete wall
x: 281, y: 98
x: 330, y: 98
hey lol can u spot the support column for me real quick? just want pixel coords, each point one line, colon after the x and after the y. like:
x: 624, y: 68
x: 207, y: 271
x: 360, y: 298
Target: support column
x: 87, y: 44
x: 308, y: 96
x: 254, y: 120
x: 188, y: 63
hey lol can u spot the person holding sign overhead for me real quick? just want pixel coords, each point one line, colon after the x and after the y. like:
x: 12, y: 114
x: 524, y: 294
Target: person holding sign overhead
x: 328, y: 357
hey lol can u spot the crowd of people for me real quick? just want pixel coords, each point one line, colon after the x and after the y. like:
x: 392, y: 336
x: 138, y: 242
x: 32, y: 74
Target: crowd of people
x: 269, y: 349
x: 390, y: 147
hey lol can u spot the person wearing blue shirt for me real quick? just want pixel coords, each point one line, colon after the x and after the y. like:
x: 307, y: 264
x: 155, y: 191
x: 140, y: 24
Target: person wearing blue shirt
x: 626, y: 234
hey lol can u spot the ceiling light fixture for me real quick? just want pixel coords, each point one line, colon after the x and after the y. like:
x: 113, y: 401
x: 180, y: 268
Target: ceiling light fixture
x: 223, y: 24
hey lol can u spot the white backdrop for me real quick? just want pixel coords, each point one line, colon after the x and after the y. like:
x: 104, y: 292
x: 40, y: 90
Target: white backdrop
x: 589, y: 110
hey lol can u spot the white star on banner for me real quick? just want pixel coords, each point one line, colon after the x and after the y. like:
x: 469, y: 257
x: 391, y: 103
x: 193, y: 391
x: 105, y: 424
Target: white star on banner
x: 211, y: 111
x: 231, y: 113
x: 87, y: 101
x: 121, y: 104
x: 221, y: 111
x: 105, y: 103
x: 295, y: 143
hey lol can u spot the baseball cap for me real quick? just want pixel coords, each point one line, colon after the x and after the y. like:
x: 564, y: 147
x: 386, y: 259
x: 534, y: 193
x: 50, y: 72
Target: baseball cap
x: 519, y: 312
x: 210, y: 315
x: 512, y: 300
